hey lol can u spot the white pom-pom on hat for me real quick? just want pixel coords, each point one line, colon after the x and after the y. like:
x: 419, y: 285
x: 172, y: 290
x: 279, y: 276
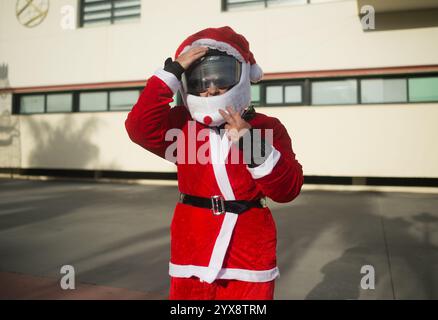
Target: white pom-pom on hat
x: 256, y: 73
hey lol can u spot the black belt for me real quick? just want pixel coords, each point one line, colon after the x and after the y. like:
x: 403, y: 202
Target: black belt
x: 218, y: 205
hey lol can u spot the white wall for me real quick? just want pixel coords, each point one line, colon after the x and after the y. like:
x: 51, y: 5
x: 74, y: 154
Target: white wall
x: 95, y: 141
x: 366, y: 140
x: 324, y: 36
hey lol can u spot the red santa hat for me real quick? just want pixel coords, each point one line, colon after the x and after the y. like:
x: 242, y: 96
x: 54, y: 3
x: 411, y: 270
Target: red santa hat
x: 227, y: 40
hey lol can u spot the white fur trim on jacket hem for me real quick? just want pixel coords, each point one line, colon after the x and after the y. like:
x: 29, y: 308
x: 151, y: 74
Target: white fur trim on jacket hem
x: 266, y: 167
x: 187, y: 271
x: 168, y: 78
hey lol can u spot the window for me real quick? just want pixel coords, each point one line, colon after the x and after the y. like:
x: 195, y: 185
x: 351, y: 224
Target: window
x: 98, y: 12
x: 76, y: 101
x: 423, y: 89
x: 285, y: 2
x: 32, y: 104
x: 177, y: 100
x: 293, y: 94
x: 93, y: 101
x: 123, y: 99
x: 231, y: 4
x: 407, y: 88
x: 284, y: 94
x: 255, y: 94
x: 383, y: 90
x: 334, y: 92
x: 322, y: 1
x: 59, y: 102
x: 274, y: 94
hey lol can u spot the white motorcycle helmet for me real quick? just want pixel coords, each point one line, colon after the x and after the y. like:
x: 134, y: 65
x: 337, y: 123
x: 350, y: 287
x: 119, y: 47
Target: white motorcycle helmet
x: 222, y: 71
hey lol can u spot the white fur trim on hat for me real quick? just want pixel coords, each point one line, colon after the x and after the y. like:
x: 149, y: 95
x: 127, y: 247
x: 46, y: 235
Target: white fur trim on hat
x: 219, y: 45
x: 256, y: 73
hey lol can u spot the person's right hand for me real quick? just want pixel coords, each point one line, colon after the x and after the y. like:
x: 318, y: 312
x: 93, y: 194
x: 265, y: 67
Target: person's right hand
x: 193, y: 54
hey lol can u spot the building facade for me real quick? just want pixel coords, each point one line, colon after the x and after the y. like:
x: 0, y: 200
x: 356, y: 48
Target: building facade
x: 357, y: 91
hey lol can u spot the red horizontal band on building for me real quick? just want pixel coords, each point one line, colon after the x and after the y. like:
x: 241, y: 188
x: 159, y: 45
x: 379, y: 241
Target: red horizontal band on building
x: 351, y: 72
x: 267, y: 76
x: 83, y: 86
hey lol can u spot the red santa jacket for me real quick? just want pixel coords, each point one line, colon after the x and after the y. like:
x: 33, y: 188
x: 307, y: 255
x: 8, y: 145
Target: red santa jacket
x: 207, y: 246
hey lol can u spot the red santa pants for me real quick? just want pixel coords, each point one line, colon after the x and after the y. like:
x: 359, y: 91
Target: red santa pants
x: 193, y: 289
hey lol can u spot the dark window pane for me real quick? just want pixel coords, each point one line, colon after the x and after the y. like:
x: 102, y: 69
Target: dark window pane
x: 334, y: 92
x: 96, y: 12
x: 244, y: 3
x: 93, y: 101
x: 101, y: 12
x: 97, y: 15
x: 123, y: 100
x: 274, y: 94
x: 97, y: 7
x: 423, y: 89
x: 286, y: 2
x: 32, y: 104
x: 255, y: 93
x: 126, y: 3
x: 59, y: 102
x: 236, y: 3
x: 383, y: 90
x: 126, y: 10
x: 97, y: 22
x: 293, y: 94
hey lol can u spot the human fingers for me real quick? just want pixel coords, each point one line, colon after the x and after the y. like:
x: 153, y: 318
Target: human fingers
x: 233, y: 113
x: 227, y: 117
x: 198, y: 51
x: 187, y: 58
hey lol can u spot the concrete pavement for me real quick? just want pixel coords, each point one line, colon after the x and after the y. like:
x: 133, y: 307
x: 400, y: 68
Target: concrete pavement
x: 117, y: 238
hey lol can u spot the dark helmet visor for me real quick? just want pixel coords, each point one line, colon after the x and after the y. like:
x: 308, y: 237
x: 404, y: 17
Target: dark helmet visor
x: 216, y: 69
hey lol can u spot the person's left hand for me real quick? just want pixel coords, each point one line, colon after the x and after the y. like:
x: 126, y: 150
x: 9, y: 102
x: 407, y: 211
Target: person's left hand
x: 236, y: 126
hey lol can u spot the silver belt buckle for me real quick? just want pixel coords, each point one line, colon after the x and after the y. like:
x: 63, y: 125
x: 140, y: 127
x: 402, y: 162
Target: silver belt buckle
x: 264, y: 202
x: 217, y: 205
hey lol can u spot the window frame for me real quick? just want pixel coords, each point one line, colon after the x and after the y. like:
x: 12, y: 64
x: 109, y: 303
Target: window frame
x: 93, y: 91
x: 58, y: 92
x: 16, y: 100
x: 225, y: 5
x: 119, y: 90
x: 34, y: 94
x: 112, y: 15
x: 305, y: 84
x: 358, y: 91
x: 384, y: 77
x: 257, y: 103
x: 283, y: 84
x: 423, y: 75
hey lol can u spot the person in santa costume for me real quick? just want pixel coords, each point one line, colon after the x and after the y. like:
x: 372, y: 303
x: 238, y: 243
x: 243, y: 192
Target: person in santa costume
x: 223, y: 236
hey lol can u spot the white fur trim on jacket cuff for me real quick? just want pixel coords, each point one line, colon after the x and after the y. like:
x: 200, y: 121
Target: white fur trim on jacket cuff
x: 168, y: 78
x: 266, y: 167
